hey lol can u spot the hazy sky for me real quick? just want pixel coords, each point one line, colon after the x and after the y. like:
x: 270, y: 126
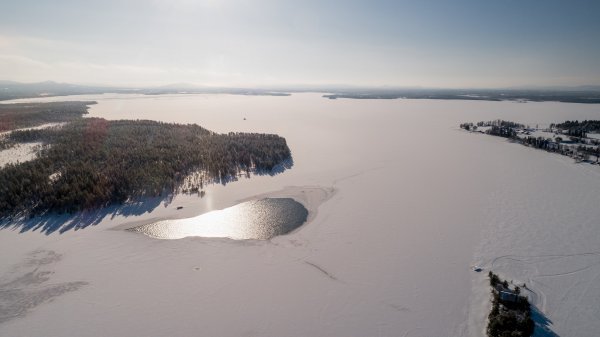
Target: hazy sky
x: 444, y: 43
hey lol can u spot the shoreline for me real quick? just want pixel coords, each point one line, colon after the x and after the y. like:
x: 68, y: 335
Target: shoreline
x: 311, y: 197
x: 147, y: 210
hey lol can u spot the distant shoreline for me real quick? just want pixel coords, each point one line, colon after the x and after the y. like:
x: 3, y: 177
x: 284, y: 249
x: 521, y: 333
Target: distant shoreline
x: 581, y: 94
x: 516, y: 96
x: 567, y: 139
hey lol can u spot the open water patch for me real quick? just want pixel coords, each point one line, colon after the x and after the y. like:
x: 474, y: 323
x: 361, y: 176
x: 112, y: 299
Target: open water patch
x: 256, y: 219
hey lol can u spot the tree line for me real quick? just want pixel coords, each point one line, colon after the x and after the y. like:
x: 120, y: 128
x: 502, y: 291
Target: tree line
x: 23, y: 115
x: 586, y: 125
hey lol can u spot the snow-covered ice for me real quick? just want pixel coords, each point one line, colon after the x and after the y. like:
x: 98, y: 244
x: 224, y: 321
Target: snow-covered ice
x: 408, y: 204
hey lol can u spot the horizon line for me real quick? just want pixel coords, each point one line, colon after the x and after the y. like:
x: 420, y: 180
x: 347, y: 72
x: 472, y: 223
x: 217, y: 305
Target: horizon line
x: 303, y: 86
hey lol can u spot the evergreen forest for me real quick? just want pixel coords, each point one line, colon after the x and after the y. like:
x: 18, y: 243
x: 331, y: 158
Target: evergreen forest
x: 93, y: 162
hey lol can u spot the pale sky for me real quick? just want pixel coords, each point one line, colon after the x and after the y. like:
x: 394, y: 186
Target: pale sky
x: 459, y: 43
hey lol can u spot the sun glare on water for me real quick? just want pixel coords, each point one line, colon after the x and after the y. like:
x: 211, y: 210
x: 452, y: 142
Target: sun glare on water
x: 258, y: 219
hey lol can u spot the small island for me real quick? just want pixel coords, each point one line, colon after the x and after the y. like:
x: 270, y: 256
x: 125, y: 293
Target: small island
x: 578, y: 140
x: 511, y: 312
x: 85, y: 163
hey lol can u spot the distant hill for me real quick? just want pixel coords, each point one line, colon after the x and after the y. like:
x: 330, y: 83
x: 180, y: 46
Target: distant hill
x: 559, y: 88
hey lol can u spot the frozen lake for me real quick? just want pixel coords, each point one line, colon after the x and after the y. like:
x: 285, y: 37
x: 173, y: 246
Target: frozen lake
x: 403, y: 204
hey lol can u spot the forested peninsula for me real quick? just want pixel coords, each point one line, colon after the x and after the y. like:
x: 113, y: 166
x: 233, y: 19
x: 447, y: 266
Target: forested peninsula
x: 579, y: 140
x: 92, y: 162
x: 23, y: 115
